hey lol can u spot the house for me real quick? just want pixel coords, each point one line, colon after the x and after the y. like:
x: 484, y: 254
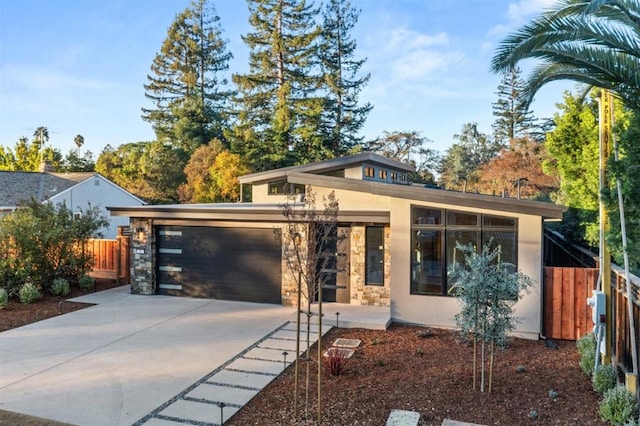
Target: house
x: 77, y: 190
x: 401, y: 239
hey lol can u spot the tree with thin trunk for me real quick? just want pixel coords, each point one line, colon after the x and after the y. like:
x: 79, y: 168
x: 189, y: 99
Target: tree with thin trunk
x: 487, y: 289
x: 307, y: 236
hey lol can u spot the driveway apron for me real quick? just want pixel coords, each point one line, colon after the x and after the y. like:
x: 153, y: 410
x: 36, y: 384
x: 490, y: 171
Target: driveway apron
x: 144, y: 360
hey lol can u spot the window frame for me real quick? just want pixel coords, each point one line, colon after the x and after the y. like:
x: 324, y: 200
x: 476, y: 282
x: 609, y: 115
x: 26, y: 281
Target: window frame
x: 447, y: 227
x: 295, y: 188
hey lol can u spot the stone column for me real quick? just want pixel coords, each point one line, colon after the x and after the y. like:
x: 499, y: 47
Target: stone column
x: 143, y: 252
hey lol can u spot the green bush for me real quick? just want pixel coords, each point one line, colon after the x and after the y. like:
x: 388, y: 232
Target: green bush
x: 4, y: 298
x: 586, y: 343
x: 85, y: 282
x: 29, y: 293
x: 604, y: 378
x: 60, y: 287
x: 587, y: 349
x: 619, y: 406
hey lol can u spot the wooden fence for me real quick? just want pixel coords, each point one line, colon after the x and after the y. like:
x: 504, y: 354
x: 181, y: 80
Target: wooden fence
x: 620, y: 313
x: 111, y: 258
x: 566, y: 314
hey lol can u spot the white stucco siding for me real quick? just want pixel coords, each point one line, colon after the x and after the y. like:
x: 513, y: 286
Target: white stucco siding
x: 103, y: 194
x: 439, y: 311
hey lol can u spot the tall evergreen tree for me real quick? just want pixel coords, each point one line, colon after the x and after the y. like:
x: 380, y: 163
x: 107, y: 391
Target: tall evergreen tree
x: 279, y: 111
x: 513, y: 118
x: 344, y: 116
x: 187, y: 85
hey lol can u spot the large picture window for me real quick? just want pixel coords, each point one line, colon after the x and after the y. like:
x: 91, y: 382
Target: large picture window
x: 434, y: 234
x: 374, y: 243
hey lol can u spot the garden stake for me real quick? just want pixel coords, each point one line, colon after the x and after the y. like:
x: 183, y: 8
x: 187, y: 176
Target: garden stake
x: 319, y: 352
x: 491, y: 364
x: 295, y: 392
x: 475, y: 360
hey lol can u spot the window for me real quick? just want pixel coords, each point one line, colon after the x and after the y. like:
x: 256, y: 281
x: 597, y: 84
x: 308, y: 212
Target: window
x: 283, y: 187
x: 334, y: 173
x: 433, y: 243
x: 369, y: 172
x: 394, y: 176
x: 374, y: 255
x: 382, y: 174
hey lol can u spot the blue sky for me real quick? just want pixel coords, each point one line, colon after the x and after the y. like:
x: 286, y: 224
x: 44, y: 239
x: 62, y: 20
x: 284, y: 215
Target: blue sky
x: 78, y: 66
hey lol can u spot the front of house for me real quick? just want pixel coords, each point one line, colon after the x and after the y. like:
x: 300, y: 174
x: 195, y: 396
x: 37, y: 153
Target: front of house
x: 401, y: 238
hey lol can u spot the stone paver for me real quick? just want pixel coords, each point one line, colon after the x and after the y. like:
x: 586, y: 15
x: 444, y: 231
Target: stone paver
x: 403, y: 418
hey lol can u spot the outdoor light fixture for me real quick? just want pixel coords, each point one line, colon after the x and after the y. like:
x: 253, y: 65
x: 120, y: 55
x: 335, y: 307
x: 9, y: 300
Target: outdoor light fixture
x: 140, y: 233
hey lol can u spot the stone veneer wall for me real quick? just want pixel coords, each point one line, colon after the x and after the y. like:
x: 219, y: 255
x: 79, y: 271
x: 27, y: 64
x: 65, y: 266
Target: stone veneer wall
x: 143, y: 251
x: 289, y: 279
x: 362, y: 294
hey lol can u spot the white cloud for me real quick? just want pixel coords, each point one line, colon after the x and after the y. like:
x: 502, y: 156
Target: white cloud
x: 46, y: 79
x: 518, y: 13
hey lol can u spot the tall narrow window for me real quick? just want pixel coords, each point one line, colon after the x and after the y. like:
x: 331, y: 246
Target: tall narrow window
x: 374, y: 253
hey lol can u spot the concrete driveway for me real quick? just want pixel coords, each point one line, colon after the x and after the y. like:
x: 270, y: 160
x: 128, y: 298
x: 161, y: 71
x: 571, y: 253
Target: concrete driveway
x: 144, y: 360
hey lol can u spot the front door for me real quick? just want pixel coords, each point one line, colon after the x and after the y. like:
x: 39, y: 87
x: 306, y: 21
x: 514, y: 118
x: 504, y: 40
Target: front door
x: 336, y: 286
x: 343, y: 277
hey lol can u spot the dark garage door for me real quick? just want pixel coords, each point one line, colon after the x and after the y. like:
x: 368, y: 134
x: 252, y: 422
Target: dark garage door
x: 222, y: 263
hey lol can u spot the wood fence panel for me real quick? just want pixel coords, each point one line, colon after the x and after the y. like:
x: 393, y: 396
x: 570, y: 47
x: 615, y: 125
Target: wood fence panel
x: 111, y: 258
x: 566, y: 315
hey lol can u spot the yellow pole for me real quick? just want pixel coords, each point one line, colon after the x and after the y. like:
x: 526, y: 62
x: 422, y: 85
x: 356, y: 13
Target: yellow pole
x: 606, y: 112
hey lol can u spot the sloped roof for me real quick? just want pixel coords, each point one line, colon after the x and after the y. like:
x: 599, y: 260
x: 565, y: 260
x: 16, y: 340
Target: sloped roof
x: 16, y: 187
x: 328, y: 165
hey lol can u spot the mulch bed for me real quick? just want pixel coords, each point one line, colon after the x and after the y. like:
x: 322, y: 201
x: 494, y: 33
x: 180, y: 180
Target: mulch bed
x: 430, y: 371
x: 17, y: 314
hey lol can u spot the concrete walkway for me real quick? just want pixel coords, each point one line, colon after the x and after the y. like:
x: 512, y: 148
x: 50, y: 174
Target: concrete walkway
x: 152, y: 360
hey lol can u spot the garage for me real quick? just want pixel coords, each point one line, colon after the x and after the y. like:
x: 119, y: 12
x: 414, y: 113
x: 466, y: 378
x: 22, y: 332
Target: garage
x: 242, y: 264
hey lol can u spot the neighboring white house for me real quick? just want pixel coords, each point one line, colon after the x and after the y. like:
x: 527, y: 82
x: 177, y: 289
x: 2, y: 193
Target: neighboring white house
x: 77, y: 190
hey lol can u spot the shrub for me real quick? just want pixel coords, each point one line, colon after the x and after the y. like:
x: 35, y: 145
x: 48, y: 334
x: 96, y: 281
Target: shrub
x: 604, y: 378
x: 29, y: 293
x: 586, y: 343
x: 619, y: 406
x: 60, y: 287
x: 334, y: 361
x: 4, y: 298
x: 587, y: 349
x: 85, y: 282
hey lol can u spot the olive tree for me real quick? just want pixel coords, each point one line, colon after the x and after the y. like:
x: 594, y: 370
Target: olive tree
x: 487, y: 289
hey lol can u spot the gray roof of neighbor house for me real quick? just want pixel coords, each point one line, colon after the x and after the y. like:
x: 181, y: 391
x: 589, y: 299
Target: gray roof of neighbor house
x: 17, y: 187
x: 327, y: 166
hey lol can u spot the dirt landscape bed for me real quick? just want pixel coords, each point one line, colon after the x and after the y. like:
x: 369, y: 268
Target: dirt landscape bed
x: 429, y: 371
x: 17, y: 314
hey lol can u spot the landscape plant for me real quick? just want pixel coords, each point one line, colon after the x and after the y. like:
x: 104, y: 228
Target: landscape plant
x: 44, y: 241
x: 587, y: 349
x: 4, y: 298
x: 487, y: 289
x: 60, y: 287
x: 29, y: 292
x: 308, y: 237
x: 334, y: 360
x: 604, y: 378
x: 85, y: 282
x: 619, y: 407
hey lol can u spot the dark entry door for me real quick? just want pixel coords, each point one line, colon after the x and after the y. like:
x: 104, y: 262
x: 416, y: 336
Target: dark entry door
x: 241, y: 264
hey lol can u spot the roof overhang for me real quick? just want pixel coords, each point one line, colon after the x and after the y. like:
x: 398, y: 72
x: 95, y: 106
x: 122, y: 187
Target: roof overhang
x: 326, y: 166
x: 420, y: 193
x: 239, y: 212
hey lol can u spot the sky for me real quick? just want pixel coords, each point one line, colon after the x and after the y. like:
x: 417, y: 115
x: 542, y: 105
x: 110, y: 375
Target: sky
x: 79, y: 66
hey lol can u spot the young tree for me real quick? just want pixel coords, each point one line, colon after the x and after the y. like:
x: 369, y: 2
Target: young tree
x: 486, y: 289
x: 279, y: 110
x: 408, y: 147
x: 306, y: 240
x: 343, y: 115
x: 514, y: 120
x: 187, y: 85
x: 43, y: 241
